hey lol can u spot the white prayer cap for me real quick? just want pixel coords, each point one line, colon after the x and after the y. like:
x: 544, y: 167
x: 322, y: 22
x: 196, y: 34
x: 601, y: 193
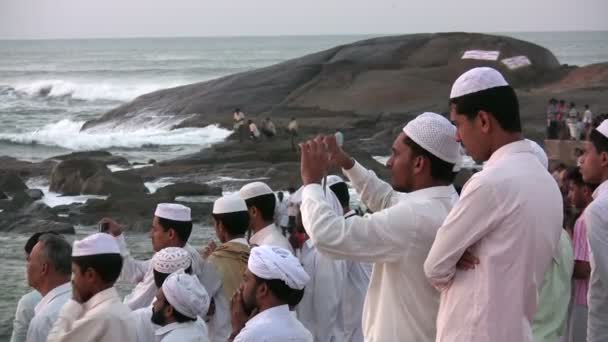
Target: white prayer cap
x: 254, y: 189
x: 173, y: 212
x: 229, y: 204
x: 333, y: 179
x: 603, y: 128
x: 435, y: 134
x: 171, y: 259
x: 186, y: 294
x: 539, y: 153
x: 271, y: 262
x: 98, y: 243
x: 477, y: 79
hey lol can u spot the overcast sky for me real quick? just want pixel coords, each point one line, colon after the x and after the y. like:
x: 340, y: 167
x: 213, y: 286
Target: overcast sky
x: 34, y: 19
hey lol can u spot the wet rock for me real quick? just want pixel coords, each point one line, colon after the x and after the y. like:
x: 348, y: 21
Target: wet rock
x: 69, y: 176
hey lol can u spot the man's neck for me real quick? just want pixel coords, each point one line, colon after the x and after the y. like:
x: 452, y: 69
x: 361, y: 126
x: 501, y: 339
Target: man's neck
x: 503, y: 139
x: 261, y: 226
x: 51, y: 284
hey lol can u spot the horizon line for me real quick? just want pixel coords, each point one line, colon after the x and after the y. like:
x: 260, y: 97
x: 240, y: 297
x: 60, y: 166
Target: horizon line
x: 284, y: 35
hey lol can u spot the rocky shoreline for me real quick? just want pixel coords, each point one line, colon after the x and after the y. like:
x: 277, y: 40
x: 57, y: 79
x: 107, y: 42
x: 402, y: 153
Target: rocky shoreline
x: 367, y: 90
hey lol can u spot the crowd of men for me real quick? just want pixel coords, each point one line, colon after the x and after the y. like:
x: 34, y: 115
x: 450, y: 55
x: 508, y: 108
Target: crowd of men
x: 493, y: 263
x: 566, y: 121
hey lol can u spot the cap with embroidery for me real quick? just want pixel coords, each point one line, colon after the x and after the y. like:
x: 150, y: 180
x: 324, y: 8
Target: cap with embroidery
x: 171, y: 259
x: 476, y: 80
x: 254, y: 189
x: 173, y: 212
x: 99, y: 243
x: 435, y: 134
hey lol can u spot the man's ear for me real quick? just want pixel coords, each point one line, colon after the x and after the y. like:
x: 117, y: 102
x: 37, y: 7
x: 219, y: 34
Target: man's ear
x: 485, y: 121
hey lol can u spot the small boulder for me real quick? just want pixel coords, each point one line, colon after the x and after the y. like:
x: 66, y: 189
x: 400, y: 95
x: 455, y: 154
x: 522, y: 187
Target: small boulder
x: 115, y: 184
x: 103, y: 157
x: 34, y: 194
x: 69, y: 176
x: 10, y: 182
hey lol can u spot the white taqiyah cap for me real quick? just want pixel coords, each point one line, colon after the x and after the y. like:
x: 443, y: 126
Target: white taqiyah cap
x: 173, y: 211
x: 186, y: 294
x: 603, y: 128
x: 99, y: 243
x: 229, y: 204
x: 333, y: 179
x: 477, y: 79
x: 171, y: 259
x: 539, y: 153
x: 435, y: 134
x: 271, y: 262
x: 254, y: 189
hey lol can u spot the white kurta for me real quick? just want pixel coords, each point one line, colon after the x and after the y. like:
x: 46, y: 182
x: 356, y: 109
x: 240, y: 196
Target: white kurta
x: 510, y: 216
x: 596, y: 217
x: 146, y: 330
x: 103, y: 318
x: 142, y: 274
x: 47, y: 311
x: 270, y: 235
x: 281, y: 219
x: 320, y: 309
x: 276, y: 324
x: 358, y: 275
x: 24, y: 314
x: 400, y: 305
x: 182, y: 332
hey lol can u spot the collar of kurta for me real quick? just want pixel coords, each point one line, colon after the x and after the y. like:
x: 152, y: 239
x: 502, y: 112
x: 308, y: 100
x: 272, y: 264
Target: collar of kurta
x: 433, y: 192
x: 101, y: 297
x: 172, y: 326
x: 520, y: 146
x: 59, y: 290
x: 602, y: 189
x: 281, y: 310
x: 260, y: 234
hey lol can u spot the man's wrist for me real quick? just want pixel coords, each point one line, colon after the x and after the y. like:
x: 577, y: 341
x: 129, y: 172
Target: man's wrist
x: 347, y: 162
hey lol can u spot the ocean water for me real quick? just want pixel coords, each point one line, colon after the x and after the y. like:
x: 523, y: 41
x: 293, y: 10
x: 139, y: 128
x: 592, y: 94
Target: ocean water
x: 48, y: 89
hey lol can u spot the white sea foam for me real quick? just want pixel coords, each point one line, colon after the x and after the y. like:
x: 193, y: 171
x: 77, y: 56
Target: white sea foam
x: 53, y: 199
x: 67, y: 134
x: 87, y: 90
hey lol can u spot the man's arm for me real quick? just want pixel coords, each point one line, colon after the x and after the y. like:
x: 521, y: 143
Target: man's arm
x: 375, y: 193
x: 468, y: 222
x: 384, y: 236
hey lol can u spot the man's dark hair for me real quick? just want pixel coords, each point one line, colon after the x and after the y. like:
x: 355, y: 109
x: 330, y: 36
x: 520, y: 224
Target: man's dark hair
x: 107, y: 266
x: 59, y: 253
x: 599, y: 141
x: 440, y: 169
x: 291, y: 189
x: 236, y: 223
x: 183, y: 229
x: 283, y: 292
x: 159, y: 277
x: 265, y: 204
x: 237, y: 109
x: 33, y: 240
x: 341, y: 191
x: 501, y: 102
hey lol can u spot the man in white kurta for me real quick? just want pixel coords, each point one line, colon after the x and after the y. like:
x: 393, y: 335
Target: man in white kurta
x: 274, y: 322
x: 186, y: 296
x: 509, y: 217
x: 261, y: 203
x: 400, y: 305
x: 24, y: 314
x: 49, y: 270
x: 96, y: 313
x: 595, y: 170
x: 141, y: 273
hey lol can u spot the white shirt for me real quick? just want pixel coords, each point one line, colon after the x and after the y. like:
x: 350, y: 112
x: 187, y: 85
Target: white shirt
x: 510, y: 216
x: 183, y: 332
x: 103, y: 318
x: 281, y: 218
x: 400, y: 305
x: 320, y: 309
x: 47, y: 311
x: 270, y: 235
x: 596, y: 218
x: 24, y: 314
x: 276, y: 324
x: 146, y: 330
x: 142, y: 274
x: 587, y: 116
x: 358, y: 275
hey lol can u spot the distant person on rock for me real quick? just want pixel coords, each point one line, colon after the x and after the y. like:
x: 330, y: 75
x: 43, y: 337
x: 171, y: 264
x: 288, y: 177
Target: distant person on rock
x: 573, y: 122
x: 587, y: 119
x: 239, y: 122
x: 552, y: 119
x: 292, y: 129
x: 268, y: 128
x: 254, y: 133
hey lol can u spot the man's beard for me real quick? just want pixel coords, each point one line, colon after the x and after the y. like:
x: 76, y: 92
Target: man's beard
x: 158, y: 318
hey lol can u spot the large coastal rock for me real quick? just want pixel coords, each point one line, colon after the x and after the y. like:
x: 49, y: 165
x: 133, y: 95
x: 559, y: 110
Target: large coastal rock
x: 402, y: 74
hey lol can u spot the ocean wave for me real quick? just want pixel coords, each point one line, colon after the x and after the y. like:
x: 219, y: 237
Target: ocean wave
x: 66, y: 133
x: 90, y: 91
